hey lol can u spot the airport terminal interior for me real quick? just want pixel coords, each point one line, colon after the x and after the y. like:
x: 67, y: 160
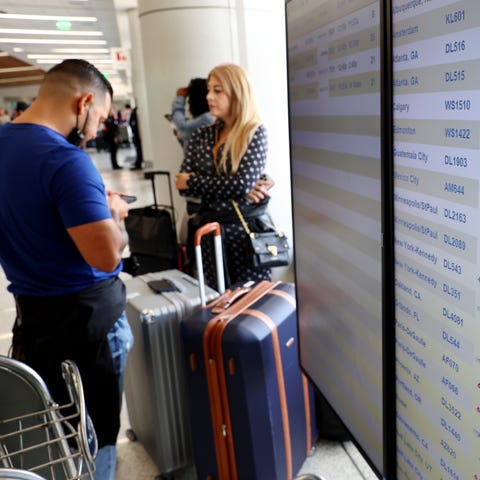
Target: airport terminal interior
x: 330, y: 460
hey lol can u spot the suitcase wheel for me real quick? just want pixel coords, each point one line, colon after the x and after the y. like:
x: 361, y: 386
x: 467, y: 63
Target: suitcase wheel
x: 131, y: 435
x: 308, y: 476
x: 165, y: 476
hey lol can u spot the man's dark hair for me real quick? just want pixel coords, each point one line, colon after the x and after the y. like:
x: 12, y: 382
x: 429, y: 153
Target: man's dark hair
x: 85, y: 72
x: 197, y: 96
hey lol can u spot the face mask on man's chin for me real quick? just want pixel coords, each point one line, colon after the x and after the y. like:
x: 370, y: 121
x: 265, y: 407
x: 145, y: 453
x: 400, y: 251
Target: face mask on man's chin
x: 76, y: 137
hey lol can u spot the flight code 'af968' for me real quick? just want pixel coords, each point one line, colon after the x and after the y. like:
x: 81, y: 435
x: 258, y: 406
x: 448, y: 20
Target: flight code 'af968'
x: 450, y: 385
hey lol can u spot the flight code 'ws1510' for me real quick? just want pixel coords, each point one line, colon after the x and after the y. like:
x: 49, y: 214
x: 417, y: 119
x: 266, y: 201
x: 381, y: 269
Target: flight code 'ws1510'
x: 460, y: 105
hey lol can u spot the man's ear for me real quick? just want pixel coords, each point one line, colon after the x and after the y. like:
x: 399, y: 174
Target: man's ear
x: 84, y: 102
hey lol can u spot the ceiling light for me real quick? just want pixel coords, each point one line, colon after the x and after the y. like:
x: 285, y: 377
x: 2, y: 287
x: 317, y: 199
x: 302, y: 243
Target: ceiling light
x: 49, y: 41
x: 55, y: 61
x: 18, y: 50
x: 25, y: 31
x: 15, y: 16
x: 63, y: 25
x: 56, y: 56
x: 80, y: 50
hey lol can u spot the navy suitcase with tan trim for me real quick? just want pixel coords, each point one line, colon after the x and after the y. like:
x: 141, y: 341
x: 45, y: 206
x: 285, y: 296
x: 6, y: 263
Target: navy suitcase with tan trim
x: 251, y: 408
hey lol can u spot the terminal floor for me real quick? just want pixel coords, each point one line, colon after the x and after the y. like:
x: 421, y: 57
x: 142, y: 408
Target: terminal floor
x: 330, y: 460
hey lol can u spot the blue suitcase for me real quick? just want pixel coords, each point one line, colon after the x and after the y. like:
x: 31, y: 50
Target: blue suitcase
x: 252, y: 409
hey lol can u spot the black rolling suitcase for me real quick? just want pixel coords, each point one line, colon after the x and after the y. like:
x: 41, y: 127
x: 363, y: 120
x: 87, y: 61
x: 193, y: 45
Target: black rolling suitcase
x: 152, y: 234
x: 252, y: 409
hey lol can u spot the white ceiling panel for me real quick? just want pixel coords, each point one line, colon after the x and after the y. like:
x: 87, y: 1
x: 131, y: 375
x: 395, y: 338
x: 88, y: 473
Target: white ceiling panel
x: 30, y: 42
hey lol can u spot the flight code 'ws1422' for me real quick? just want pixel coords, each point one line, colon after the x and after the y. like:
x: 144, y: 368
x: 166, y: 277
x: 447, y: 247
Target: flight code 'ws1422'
x: 464, y: 133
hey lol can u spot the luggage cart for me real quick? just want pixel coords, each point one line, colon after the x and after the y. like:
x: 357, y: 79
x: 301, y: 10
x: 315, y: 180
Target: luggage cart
x: 16, y: 474
x: 36, y: 434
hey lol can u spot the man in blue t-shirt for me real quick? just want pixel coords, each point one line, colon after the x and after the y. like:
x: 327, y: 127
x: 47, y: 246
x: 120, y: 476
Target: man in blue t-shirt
x: 61, y: 240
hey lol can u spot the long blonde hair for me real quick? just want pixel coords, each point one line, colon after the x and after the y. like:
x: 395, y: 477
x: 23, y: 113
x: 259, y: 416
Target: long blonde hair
x: 237, y: 86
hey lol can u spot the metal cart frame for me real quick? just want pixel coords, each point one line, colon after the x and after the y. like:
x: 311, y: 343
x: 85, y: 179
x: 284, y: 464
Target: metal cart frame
x: 38, y: 435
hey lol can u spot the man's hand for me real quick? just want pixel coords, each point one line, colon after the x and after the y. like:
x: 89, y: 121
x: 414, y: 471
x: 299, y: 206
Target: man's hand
x: 118, y: 207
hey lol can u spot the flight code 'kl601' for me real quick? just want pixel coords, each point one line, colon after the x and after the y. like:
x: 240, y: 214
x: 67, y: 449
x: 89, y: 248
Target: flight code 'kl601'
x: 454, y: 17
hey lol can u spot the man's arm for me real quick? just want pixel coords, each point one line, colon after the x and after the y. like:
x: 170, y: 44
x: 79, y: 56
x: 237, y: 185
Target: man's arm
x: 101, y: 243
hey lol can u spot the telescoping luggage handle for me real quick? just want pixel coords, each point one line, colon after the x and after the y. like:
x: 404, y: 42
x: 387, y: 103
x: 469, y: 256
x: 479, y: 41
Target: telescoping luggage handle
x: 212, y: 227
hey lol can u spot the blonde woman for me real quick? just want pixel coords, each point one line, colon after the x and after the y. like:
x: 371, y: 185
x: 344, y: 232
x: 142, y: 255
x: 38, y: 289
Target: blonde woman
x: 224, y: 162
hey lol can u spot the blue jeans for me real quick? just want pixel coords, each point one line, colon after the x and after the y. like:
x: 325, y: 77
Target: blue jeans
x: 120, y: 339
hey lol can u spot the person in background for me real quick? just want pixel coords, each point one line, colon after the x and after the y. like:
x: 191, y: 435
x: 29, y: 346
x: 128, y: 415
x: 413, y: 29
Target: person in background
x: 19, y: 109
x: 200, y: 116
x: 4, y: 118
x: 183, y: 127
x: 223, y: 162
x: 111, y: 138
x: 61, y: 244
x: 137, y: 141
x: 126, y: 112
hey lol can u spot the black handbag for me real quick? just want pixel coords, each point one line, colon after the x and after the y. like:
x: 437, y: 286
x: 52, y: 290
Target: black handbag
x: 266, y: 249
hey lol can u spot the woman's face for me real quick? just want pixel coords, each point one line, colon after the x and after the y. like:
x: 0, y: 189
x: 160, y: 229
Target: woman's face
x: 218, y: 100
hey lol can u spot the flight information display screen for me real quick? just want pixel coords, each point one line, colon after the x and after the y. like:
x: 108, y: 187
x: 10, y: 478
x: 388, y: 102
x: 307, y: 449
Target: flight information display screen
x: 436, y: 103
x: 335, y: 123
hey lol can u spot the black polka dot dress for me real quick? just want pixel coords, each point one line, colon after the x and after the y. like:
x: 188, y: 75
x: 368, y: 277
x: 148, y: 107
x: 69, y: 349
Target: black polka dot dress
x: 217, y: 192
